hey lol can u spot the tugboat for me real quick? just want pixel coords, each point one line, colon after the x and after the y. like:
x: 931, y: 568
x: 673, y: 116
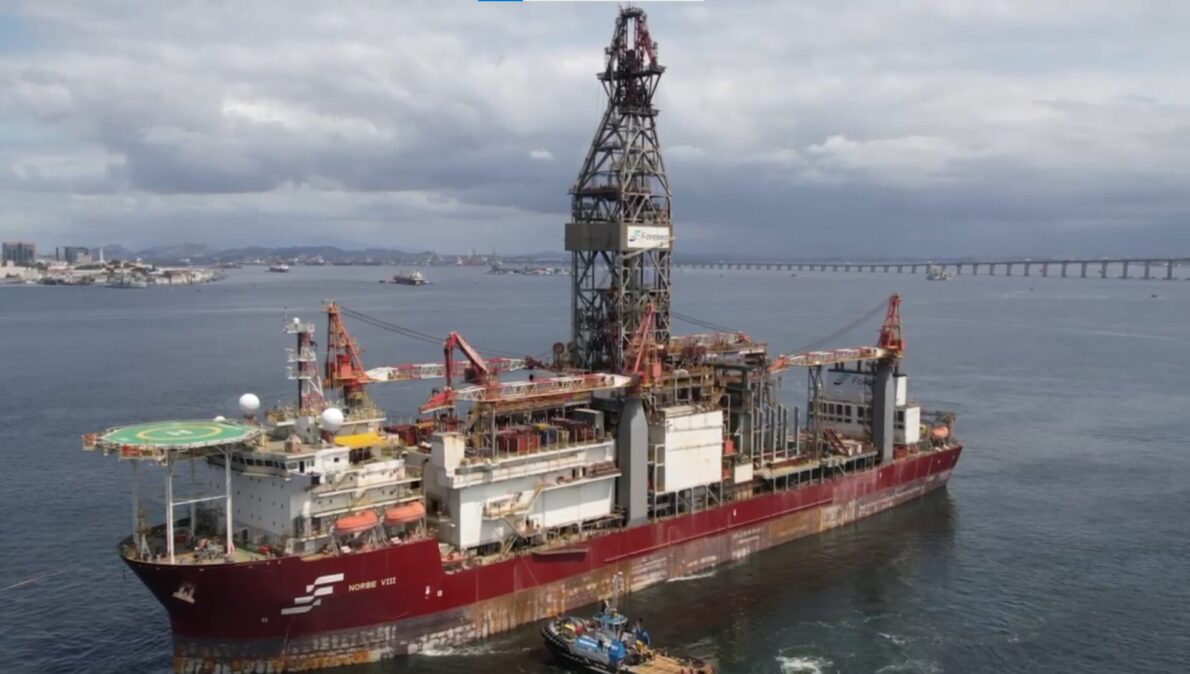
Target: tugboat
x: 605, y: 645
x: 280, y: 268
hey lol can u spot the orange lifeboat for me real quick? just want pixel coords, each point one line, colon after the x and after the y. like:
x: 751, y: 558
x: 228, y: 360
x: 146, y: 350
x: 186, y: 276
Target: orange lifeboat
x: 404, y: 514
x: 353, y: 524
x: 940, y: 433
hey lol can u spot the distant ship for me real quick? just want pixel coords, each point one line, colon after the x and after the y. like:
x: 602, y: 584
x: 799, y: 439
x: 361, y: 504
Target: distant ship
x: 279, y: 268
x: 409, y: 279
x: 938, y: 274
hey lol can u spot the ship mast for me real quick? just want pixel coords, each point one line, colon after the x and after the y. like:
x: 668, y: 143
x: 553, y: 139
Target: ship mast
x: 303, y: 367
x: 620, y: 234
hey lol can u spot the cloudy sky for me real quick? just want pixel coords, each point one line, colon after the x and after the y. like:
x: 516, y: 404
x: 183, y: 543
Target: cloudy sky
x: 850, y: 127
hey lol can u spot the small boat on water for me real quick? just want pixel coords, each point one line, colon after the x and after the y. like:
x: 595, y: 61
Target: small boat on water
x: 938, y: 274
x: 279, y: 268
x: 604, y: 644
x: 409, y: 279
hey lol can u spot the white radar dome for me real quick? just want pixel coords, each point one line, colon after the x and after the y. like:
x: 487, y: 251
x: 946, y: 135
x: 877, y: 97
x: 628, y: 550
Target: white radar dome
x: 332, y: 419
x: 220, y: 418
x: 297, y: 321
x: 249, y: 403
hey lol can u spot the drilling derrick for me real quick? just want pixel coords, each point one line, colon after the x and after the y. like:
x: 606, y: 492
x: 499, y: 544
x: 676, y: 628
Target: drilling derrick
x: 620, y: 234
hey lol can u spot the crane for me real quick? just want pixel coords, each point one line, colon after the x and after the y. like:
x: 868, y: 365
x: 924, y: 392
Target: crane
x: 890, y: 332
x: 833, y: 357
x: 889, y: 345
x: 889, y: 348
x: 645, y: 366
x: 424, y: 371
x: 479, y: 372
x: 487, y: 388
x: 344, y: 367
x: 518, y: 391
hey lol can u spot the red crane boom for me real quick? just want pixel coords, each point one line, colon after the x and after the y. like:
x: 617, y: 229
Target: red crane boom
x: 890, y: 332
x: 344, y: 368
x: 480, y: 373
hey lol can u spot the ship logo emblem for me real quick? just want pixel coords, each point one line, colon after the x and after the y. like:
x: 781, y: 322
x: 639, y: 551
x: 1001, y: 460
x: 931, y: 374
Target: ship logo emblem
x: 185, y: 592
x: 321, y: 587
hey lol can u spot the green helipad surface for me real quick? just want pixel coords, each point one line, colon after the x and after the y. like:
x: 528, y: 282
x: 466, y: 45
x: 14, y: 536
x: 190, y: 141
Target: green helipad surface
x: 180, y: 434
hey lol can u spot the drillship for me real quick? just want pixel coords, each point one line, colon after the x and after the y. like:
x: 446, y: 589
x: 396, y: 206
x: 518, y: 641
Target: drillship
x: 319, y: 535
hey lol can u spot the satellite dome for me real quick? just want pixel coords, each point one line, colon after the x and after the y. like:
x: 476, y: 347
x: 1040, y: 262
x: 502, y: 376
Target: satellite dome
x: 249, y: 403
x: 297, y: 321
x: 332, y: 419
x: 220, y: 418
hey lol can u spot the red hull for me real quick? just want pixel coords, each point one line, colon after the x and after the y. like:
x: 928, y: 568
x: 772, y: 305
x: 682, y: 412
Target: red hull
x: 290, y: 614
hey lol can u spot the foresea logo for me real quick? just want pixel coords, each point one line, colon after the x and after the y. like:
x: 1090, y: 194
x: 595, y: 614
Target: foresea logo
x: 647, y: 237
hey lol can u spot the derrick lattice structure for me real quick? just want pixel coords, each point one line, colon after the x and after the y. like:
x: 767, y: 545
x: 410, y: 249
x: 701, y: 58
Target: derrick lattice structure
x: 620, y: 234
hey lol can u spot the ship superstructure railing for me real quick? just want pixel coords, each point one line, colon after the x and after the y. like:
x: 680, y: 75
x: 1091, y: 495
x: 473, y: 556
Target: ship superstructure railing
x: 168, y: 444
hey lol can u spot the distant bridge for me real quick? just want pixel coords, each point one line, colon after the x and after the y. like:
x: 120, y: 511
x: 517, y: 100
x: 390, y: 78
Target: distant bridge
x: 1116, y: 267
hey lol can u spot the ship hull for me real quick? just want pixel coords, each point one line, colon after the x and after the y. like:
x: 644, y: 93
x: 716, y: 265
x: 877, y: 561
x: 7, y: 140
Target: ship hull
x: 294, y: 614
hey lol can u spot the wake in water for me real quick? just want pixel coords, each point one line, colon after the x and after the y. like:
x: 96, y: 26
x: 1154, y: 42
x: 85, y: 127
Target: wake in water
x: 474, y: 650
x: 803, y: 665
x: 897, y: 640
x: 691, y: 576
x: 915, y: 666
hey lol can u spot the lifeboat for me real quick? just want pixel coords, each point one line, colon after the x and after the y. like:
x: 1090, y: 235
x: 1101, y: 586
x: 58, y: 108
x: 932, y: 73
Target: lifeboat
x: 404, y: 514
x: 353, y: 524
x: 940, y: 433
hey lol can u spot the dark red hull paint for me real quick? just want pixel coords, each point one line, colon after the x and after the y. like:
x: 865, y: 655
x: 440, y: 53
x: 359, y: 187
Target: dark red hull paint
x: 407, y: 601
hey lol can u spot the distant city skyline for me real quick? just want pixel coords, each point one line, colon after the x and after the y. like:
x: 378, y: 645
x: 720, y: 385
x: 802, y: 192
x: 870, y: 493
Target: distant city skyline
x: 805, y: 130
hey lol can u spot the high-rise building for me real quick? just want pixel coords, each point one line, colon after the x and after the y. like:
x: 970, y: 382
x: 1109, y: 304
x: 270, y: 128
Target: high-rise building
x: 19, y: 252
x: 77, y: 254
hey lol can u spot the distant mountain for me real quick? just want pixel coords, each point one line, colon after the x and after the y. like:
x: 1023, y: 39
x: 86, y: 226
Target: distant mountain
x: 114, y: 251
x: 177, y: 251
x: 201, y: 253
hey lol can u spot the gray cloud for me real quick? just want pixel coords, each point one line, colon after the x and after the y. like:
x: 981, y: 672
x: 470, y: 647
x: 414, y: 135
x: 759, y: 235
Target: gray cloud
x: 853, y: 128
